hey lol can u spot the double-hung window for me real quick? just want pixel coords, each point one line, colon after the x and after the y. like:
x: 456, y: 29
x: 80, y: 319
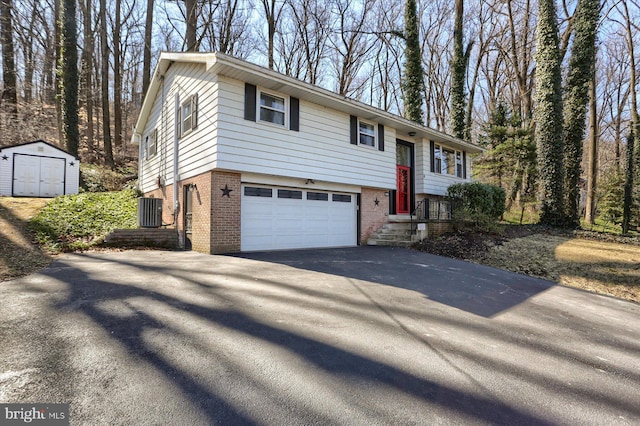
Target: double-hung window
x: 448, y: 161
x: 151, y: 143
x: 272, y: 108
x: 189, y: 115
x: 366, y: 133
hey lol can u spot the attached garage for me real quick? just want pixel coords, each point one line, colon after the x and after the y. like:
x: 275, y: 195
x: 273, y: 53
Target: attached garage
x: 37, y: 169
x: 290, y: 218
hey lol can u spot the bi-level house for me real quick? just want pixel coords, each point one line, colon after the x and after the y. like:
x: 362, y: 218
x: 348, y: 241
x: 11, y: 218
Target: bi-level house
x: 246, y: 158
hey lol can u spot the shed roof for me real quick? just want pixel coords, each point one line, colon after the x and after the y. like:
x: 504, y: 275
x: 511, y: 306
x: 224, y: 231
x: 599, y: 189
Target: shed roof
x: 39, y: 141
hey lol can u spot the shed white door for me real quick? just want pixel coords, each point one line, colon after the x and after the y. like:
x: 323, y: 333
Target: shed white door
x: 35, y: 176
x: 285, y: 218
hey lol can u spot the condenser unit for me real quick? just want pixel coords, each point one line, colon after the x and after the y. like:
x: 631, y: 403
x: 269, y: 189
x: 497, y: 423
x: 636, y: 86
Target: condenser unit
x: 149, y: 212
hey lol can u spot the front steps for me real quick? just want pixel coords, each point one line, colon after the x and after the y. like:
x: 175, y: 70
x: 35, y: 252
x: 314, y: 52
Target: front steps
x: 396, y: 232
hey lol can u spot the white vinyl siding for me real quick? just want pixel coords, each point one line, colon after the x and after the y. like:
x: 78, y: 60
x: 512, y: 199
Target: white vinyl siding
x: 197, y: 148
x: 320, y: 150
x: 428, y: 182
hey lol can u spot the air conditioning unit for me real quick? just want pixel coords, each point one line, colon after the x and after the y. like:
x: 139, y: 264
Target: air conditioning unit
x: 149, y: 212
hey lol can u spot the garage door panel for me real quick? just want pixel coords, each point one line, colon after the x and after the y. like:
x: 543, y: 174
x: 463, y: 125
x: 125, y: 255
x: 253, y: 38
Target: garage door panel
x: 304, y: 219
x: 51, y: 177
x: 35, y: 176
x: 26, y: 176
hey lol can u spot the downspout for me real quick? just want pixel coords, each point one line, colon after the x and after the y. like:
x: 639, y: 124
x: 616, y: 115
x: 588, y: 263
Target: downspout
x: 176, y: 200
x: 137, y: 136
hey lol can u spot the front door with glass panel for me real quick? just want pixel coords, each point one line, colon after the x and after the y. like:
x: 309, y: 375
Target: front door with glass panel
x: 403, y: 197
x: 403, y: 177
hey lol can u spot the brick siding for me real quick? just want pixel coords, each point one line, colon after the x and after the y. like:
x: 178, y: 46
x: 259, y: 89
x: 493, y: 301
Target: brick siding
x: 215, y: 218
x: 143, y: 237
x: 225, y: 212
x: 372, y: 216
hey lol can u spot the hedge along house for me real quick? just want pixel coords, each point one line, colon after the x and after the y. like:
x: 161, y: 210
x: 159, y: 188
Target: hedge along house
x: 38, y: 169
x: 246, y: 158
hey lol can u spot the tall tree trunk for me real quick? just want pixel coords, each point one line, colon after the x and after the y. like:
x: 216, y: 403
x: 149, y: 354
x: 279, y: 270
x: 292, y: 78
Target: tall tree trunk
x: 57, y: 37
x: 270, y: 14
x: 627, y: 201
x: 70, y: 76
x: 581, y: 72
x: 148, y: 32
x: 413, y: 83
x: 87, y: 68
x: 458, y: 75
x: 29, y: 64
x: 548, y: 116
x: 106, y: 119
x: 191, y: 25
x: 592, y: 167
x: 633, y: 145
x: 9, y: 93
x: 117, y: 80
x: 49, y: 79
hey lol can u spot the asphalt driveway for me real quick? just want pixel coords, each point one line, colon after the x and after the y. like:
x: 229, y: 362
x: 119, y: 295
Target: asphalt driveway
x: 366, y: 335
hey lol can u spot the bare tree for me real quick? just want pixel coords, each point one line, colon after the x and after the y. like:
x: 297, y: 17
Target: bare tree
x: 9, y: 92
x: 105, y: 56
x: 351, y: 43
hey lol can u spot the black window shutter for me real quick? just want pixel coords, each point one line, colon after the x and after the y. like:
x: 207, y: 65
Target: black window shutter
x: 432, y: 148
x: 380, y: 137
x: 464, y: 164
x: 194, y: 114
x: 354, y: 130
x: 250, y: 102
x: 294, y: 114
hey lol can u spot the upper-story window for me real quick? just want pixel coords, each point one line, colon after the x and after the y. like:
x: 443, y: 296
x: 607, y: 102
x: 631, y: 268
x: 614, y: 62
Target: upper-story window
x: 268, y: 107
x: 448, y: 161
x: 189, y: 115
x: 272, y: 108
x: 362, y: 132
x: 366, y: 133
x: 151, y: 143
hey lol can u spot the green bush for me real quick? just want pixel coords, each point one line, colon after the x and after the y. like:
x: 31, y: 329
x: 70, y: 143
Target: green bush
x: 478, y: 203
x: 95, y: 178
x: 76, y: 222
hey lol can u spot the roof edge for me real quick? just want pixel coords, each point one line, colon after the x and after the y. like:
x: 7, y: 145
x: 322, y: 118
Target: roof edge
x: 40, y: 141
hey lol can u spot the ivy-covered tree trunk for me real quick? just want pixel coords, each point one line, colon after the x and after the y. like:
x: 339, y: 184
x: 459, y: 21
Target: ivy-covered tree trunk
x: 458, y: 74
x: 633, y: 146
x: 8, y: 96
x: 413, y: 73
x: 627, y: 201
x: 548, y: 116
x: 69, y: 70
x: 581, y: 70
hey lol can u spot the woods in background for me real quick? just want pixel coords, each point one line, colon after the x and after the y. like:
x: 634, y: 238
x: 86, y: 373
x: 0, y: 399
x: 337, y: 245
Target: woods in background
x: 472, y: 68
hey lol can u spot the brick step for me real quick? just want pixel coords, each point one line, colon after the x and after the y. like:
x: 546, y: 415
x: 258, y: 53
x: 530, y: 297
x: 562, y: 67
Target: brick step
x: 388, y: 243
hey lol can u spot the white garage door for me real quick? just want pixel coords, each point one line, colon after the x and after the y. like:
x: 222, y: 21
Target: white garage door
x: 35, y: 176
x: 286, y: 218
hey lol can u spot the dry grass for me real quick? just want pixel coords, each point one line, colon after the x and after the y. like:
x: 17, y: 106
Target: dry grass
x: 18, y: 255
x: 598, y: 266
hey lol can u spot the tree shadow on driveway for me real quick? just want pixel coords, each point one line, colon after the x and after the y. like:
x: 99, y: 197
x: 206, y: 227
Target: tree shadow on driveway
x: 473, y: 288
x: 89, y: 295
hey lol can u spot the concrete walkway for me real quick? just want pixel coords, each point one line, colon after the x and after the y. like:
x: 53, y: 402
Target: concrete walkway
x: 368, y: 335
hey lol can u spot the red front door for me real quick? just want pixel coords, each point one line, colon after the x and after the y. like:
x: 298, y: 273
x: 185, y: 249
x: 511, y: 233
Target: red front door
x: 403, y: 191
